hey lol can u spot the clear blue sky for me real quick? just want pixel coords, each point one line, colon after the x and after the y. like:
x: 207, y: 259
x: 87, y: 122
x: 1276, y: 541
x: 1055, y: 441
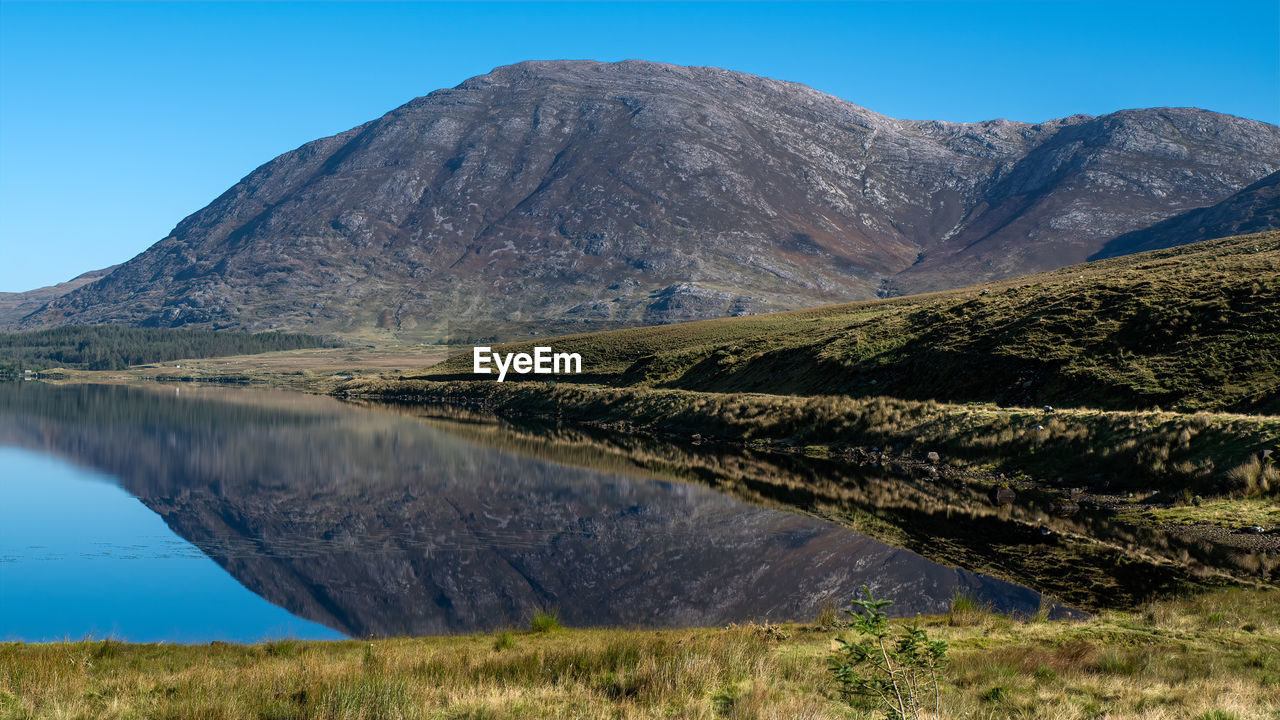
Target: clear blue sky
x: 118, y: 120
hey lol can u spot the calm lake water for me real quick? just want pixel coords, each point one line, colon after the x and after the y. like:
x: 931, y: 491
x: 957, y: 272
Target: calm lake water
x: 188, y: 514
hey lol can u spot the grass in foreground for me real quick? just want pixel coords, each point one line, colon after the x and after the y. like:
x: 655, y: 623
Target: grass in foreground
x: 1214, y: 656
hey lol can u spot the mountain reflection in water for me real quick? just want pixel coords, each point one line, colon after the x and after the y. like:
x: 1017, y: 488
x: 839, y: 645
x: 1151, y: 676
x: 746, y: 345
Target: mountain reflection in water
x: 376, y: 524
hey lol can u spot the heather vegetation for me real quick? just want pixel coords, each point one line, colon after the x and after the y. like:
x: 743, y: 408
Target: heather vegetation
x: 114, y: 347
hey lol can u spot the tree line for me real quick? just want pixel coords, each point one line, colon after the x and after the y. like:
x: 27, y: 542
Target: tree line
x: 115, y: 347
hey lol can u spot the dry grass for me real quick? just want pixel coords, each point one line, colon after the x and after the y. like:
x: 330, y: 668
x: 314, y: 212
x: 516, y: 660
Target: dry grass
x: 1256, y: 477
x: 1236, y: 513
x: 967, y: 611
x: 1217, y: 653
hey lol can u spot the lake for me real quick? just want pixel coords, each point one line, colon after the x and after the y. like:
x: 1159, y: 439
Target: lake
x: 181, y: 513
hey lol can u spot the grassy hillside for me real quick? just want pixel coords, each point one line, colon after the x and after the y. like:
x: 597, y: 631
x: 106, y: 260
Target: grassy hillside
x: 1211, y: 658
x: 1193, y: 328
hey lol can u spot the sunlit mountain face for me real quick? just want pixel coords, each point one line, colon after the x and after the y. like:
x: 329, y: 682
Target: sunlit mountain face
x: 561, y: 196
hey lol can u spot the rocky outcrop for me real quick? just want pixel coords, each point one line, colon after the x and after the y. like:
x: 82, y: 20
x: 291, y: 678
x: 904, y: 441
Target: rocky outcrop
x: 581, y: 195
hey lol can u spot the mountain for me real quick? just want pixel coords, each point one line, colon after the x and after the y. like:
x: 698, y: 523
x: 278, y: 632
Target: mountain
x: 16, y: 305
x: 1252, y: 210
x: 549, y: 196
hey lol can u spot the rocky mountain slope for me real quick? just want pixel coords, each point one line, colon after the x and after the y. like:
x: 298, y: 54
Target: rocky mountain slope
x: 1252, y: 210
x: 558, y: 195
x: 16, y: 305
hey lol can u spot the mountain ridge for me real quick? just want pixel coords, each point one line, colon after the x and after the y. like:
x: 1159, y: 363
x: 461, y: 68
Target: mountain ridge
x: 16, y: 305
x: 641, y: 193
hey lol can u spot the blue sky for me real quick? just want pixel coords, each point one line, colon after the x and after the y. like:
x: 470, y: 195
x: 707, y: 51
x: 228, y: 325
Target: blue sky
x: 118, y: 120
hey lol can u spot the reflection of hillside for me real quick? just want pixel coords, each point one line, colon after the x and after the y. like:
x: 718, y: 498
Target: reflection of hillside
x: 1086, y: 559
x: 378, y: 524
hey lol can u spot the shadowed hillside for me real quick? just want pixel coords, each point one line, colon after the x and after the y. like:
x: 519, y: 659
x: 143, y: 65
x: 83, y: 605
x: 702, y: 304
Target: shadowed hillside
x: 1192, y: 328
x: 1252, y: 210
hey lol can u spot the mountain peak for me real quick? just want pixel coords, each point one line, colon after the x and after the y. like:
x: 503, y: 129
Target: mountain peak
x: 644, y: 76
x: 568, y: 195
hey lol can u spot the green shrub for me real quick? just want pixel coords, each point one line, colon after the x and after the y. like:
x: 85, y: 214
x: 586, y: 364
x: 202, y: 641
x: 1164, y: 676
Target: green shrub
x: 544, y: 621
x: 1217, y: 715
x: 900, y: 673
x: 966, y: 611
x: 995, y: 694
x: 505, y: 640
